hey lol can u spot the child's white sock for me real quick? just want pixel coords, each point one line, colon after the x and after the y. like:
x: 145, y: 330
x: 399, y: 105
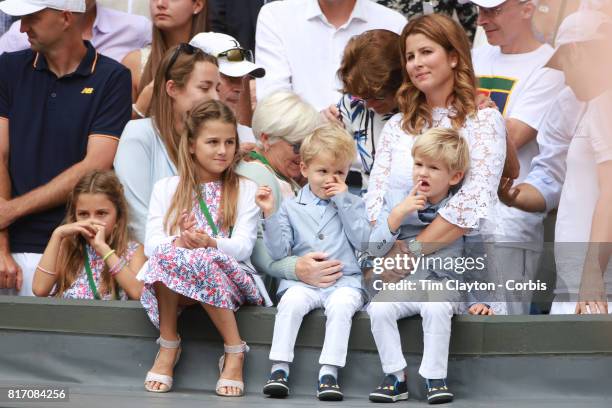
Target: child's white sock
x: 280, y: 365
x: 327, y: 369
x: 401, y: 375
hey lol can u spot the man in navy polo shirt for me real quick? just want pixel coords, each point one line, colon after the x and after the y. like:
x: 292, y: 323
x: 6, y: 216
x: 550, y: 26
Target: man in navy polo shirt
x: 63, y: 107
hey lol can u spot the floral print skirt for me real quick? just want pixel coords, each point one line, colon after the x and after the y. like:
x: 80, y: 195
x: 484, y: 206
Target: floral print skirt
x: 206, y: 275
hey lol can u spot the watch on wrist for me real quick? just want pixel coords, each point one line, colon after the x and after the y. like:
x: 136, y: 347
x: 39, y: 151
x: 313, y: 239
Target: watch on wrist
x: 415, y: 248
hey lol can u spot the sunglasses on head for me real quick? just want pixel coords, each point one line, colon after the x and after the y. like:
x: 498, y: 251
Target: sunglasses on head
x: 236, y: 55
x: 183, y: 47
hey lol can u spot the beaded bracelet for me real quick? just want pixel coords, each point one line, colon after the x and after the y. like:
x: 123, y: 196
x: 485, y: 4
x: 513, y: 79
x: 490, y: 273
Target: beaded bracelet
x: 109, y: 253
x: 45, y: 270
x: 118, y: 267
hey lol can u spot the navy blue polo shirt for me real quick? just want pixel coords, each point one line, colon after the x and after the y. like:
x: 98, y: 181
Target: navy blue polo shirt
x: 50, y: 121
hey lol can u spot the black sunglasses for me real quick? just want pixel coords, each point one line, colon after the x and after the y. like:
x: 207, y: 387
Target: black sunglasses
x: 182, y: 47
x: 236, y: 55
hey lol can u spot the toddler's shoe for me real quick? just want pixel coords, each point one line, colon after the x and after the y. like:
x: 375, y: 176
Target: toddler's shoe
x: 278, y: 385
x: 328, y: 389
x: 390, y: 390
x: 438, y: 392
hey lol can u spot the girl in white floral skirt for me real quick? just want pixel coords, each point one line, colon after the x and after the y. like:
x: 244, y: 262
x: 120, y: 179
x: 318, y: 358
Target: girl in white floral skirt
x: 200, y: 233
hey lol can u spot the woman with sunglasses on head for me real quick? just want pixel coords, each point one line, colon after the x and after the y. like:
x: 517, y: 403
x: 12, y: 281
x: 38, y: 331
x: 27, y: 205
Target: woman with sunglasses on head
x: 148, y: 151
x: 174, y: 22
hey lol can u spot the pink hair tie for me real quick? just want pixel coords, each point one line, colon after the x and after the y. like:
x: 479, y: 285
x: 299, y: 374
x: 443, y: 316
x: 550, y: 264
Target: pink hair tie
x: 45, y: 271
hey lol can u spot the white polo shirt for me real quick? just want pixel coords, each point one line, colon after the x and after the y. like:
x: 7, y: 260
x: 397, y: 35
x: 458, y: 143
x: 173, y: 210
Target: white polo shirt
x: 301, y: 51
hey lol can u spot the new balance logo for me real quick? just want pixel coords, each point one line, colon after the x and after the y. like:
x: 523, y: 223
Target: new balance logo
x: 87, y: 91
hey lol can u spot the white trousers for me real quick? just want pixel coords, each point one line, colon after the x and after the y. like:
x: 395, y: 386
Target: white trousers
x: 436, y: 334
x: 340, y: 305
x: 27, y: 262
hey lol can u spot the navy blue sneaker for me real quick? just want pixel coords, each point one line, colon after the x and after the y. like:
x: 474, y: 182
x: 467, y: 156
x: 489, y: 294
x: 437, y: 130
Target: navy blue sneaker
x: 438, y: 392
x: 278, y: 385
x: 328, y: 389
x: 390, y: 390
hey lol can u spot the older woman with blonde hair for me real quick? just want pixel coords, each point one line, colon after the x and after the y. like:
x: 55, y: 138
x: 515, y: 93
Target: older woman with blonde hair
x: 281, y: 122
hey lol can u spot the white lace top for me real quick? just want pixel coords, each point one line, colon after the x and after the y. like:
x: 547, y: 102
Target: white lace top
x: 475, y: 201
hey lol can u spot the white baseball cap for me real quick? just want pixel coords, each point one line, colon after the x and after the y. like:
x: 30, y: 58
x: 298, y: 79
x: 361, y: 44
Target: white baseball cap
x: 488, y: 3
x: 580, y: 26
x: 234, y: 64
x: 24, y: 7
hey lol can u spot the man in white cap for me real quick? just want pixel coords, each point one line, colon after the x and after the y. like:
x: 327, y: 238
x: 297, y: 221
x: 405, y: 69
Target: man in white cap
x: 111, y: 32
x: 584, y: 273
x: 237, y: 68
x: 63, y: 107
x: 510, y: 71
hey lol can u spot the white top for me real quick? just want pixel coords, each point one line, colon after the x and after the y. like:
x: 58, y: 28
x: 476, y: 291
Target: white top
x: 244, y: 234
x: 141, y: 160
x: 475, y: 201
x: 590, y: 146
x: 301, y: 50
x: 547, y: 171
x: 523, y: 90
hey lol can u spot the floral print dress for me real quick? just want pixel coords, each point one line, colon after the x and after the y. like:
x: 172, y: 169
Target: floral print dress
x: 80, y: 287
x: 206, y: 275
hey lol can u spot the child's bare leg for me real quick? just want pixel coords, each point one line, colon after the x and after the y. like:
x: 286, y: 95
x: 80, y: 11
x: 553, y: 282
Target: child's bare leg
x: 168, y: 302
x: 225, y: 321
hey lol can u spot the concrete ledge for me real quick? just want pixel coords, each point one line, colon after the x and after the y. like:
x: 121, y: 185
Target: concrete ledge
x: 472, y: 335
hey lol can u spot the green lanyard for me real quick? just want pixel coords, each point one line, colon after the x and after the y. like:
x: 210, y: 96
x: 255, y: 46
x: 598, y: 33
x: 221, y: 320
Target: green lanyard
x: 209, y: 219
x: 90, y: 279
x: 256, y: 156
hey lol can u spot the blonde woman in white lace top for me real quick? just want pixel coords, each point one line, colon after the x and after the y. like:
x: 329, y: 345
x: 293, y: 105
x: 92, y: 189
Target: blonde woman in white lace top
x: 438, y: 91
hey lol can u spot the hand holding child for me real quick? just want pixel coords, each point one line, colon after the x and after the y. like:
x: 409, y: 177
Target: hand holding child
x: 480, y: 309
x: 337, y: 186
x: 265, y: 200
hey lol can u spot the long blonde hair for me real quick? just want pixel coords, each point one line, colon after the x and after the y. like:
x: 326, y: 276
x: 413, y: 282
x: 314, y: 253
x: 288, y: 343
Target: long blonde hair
x: 199, y: 24
x: 189, y: 185
x: 162, y: 105
x: 444, y: 31
x: 70, y: 257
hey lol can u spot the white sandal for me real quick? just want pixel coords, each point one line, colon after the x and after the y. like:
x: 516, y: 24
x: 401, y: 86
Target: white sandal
x: 241, y: 348
x: 161, y: 378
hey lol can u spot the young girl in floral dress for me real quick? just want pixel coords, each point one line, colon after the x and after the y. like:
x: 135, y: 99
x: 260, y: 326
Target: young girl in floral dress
x: 200, y: 233
x: 90, y: 256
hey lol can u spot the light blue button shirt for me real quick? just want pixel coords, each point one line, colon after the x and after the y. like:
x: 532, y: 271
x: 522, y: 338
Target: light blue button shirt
x: 114, y: 34
x: 140, y: 162
x: 547, y: 170
x: 299, y: 227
